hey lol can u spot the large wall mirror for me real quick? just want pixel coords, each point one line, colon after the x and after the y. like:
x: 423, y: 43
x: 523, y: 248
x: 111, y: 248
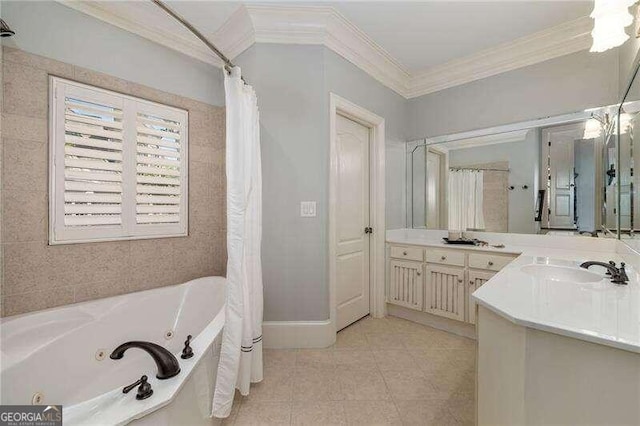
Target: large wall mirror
x: 557, y: 175
x: 626, y: 131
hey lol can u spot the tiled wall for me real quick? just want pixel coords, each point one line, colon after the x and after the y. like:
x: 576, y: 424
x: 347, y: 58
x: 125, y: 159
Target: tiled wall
x: 38, y: 276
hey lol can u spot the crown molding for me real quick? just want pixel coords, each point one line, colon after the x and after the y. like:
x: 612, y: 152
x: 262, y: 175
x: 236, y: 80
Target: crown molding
x: 320, y: 25
x: 564, y: 39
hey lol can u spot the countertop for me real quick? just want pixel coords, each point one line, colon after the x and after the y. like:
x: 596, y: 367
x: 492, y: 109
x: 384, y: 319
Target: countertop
x: 599, y: 312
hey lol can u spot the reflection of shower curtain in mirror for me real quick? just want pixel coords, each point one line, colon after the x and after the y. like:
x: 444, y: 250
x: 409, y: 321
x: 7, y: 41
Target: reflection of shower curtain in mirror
x: 465, y: 200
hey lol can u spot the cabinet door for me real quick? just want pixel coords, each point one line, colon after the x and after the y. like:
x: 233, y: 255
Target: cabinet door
x: 444, y: 289
x: 476, y: 279
x: 406, y: 284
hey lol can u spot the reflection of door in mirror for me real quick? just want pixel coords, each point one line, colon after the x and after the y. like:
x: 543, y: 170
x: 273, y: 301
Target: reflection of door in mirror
x: 558, y: 156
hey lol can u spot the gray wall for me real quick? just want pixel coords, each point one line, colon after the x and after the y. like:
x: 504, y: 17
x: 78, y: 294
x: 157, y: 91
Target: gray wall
x: 348, y: 81
x: 566, y: 84
x: 50, y: 29
x: 294, y: 135
x: 293, y: 85
x: 524, y: 158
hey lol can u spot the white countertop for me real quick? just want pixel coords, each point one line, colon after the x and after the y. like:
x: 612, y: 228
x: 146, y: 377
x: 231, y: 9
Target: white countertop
x: 599, y: 312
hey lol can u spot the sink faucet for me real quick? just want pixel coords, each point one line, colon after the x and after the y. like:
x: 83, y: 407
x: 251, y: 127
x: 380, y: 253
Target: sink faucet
x: 165, y: 361
x: 618, y: 275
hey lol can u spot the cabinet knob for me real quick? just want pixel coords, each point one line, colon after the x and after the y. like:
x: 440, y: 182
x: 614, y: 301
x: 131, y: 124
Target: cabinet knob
x: 418, y: 273
x: 490, y: 263
x: 443, y: 258
x: 404, y: 253
x: 460, y: 280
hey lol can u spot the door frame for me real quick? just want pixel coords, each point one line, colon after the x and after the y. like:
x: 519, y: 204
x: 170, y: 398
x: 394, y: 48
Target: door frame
x: 375, y: 123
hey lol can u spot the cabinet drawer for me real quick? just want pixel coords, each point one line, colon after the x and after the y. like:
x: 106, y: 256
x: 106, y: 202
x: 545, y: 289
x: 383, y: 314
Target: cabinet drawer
x: 409, y: 253
x: 492, y: 262
x: 445, y: 257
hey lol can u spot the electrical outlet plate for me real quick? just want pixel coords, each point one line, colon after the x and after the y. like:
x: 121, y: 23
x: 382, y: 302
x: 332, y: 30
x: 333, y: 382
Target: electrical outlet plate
x: 307, y: 209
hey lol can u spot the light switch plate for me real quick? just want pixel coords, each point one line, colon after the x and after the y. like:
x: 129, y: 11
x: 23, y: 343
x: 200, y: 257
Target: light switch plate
x: 307, y: 209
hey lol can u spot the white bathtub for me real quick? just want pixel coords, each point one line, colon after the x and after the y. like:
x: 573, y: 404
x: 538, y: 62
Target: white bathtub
x: 62, y: 355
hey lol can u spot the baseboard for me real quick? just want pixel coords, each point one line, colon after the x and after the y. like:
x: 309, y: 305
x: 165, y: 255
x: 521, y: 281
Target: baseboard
x: 298, y: 334
x: 445, y: 324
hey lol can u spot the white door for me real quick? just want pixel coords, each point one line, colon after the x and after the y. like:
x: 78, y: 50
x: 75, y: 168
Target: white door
x: 352, y: 217
x: 558, y: 166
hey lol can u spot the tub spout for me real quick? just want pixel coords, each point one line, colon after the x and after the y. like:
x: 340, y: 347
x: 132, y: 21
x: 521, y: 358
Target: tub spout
x: 165, y: 361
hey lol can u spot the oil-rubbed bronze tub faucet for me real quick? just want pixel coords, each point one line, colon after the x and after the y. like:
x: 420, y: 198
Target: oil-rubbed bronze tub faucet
x: 165, y: 361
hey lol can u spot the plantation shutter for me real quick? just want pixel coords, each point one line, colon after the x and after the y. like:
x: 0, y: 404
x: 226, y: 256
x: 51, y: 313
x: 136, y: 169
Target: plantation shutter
x: 92, y: 163
x: 158, y: 167
x: 119, y: 166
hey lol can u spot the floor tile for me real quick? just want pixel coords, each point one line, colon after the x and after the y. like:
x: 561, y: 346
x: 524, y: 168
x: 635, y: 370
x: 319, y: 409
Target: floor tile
x: 395, y: 360
x: 406, y: 385
x: 277, y: 385
x: 423, y: 413
x: 316, y: 385
x: 362, y: 384
x: 384, y: 340
x: 318, y: 413
x: 379, y: 413
x: 357, y: 358
x: 379, y: 372
x: 264, y: 413
x: 315, y: 359
x: 351, y: 339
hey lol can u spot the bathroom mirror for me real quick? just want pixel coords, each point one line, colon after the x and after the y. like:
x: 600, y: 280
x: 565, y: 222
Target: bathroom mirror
x: 546, y: 176
x: 626, y: 130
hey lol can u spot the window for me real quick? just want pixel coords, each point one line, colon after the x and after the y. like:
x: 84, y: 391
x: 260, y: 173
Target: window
x: 118, y: 166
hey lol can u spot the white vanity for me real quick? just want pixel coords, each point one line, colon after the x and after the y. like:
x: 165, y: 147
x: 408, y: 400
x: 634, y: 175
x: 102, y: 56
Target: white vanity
x: 557, y: 344
x: 428, y: 276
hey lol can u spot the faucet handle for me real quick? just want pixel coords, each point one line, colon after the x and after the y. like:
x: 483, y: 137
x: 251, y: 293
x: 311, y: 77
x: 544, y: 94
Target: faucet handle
x: 612, y: 263
x: 187, y: 352
x: 144, y: 388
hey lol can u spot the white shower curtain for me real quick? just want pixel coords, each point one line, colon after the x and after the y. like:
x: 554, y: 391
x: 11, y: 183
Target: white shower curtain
x: 241, y: 353
x: 466, y: 200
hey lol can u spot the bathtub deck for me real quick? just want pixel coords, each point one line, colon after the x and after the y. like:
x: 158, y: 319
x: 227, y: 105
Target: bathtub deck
x: 380, y: 371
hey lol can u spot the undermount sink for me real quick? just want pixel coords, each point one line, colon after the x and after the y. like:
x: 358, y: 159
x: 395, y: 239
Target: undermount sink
x: 561, y: 273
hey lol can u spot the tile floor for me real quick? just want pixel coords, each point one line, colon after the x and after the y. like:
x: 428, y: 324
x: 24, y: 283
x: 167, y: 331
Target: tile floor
x: 380, y: 372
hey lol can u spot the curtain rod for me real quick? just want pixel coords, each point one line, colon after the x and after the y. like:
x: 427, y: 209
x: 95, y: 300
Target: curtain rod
x: 227, y: 62
x: 479, y: 169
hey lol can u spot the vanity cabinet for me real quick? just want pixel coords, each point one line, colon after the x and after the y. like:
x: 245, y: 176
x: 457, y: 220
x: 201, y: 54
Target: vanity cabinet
x: 440, y: 281
x: 476, y: 279
x: 406, y: 283
x: 444, y: 289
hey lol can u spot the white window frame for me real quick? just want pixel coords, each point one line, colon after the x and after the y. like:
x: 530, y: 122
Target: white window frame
x: 129, y: 229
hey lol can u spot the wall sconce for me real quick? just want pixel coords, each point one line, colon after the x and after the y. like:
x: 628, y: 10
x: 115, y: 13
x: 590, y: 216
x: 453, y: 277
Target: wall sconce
x: 610, y: 18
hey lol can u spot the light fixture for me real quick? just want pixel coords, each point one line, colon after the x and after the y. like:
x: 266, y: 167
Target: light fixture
x: 610, y: 19
x: 592, y: 129
x: 594, y: 126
